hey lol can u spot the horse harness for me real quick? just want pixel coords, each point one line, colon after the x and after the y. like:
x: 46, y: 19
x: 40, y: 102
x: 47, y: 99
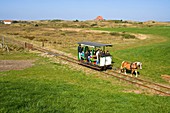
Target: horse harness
x: 132, y: 66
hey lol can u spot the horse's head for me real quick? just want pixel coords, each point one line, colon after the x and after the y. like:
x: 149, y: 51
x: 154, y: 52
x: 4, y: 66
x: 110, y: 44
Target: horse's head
x: 139, y: 64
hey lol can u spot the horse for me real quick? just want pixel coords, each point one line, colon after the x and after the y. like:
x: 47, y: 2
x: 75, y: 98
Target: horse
x: 130, y: 66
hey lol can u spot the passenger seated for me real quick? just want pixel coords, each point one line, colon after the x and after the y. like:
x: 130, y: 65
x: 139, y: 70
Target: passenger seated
x: 79, y: 52
x: 82, y: 55
x: 86, y: 56
x: 102, y: 54
x: 91, y: 53
x: 107, y: 53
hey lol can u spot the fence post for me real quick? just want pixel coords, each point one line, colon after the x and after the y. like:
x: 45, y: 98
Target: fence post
x: 1, y: 46
x: 7, y: 48
x: 3, y: 41
x: 43, y: 43
x: 25, y: 45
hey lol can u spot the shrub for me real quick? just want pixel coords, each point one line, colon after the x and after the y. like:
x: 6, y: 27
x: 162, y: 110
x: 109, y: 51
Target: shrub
x: 114, y: 34
x: 128, y: 36
x: 93, y: 25
x: 13, y: 33
x: 65, y: 25
x: 56, y: 20
x: 29, y: 37
x: 63, y: 33
x: 76, y: 21
x: 140, y: 23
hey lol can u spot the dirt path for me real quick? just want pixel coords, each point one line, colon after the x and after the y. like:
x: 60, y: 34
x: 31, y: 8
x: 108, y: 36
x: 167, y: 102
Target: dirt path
x: 6, y: 65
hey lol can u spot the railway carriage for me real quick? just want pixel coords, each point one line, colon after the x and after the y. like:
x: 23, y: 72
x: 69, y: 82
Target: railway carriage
x: 94, y: 55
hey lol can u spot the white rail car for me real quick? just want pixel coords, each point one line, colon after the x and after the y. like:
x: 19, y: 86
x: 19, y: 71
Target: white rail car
x: 94, y: 55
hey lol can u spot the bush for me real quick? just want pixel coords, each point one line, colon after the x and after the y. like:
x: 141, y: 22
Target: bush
x: 128, y: 36
x: 76, y: 21
x: 63, y: 33
x: 93, y: 25
x: 13, y: 33
x: 56, y: 20
x: 65, y: 25
x: 29, y: 37
x: 114, y: 34
x: 140, y: 23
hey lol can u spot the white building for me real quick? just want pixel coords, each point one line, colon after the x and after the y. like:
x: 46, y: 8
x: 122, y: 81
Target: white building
x: 7, y: 21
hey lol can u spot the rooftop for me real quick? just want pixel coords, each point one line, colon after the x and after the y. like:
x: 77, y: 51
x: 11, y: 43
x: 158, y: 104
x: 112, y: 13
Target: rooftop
x: 95, y: 44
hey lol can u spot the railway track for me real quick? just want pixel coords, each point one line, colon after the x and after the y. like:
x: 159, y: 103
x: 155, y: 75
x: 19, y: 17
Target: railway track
x: 157, y: 88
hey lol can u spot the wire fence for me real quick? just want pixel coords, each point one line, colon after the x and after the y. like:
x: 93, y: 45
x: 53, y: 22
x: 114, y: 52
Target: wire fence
x: 5, y: 41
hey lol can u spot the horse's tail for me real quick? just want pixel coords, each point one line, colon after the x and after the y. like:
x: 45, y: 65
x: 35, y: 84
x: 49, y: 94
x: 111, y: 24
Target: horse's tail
x: 121, y: 67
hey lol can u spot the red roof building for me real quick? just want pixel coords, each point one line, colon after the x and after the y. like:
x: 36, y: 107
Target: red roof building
x: 99, y: 18
x: 7, y: 21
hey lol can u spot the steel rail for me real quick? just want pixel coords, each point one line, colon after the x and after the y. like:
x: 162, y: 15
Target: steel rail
x: 146, y: 81
x: 140, y: 84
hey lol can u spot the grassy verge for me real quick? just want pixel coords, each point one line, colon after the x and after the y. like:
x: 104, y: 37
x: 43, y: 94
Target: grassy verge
x: 16, y: 55
x: 53, y: 87
x: 156, y: 30
x: 154, y: 53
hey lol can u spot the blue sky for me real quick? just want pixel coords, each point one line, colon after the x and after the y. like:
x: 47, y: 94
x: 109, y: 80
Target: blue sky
x: 137, y: 10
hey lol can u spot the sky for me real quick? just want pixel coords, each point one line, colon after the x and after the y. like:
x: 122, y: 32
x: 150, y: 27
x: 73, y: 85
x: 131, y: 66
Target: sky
x: 136, y: 10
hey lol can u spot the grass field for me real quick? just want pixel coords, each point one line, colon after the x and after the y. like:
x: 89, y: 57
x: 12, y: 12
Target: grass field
x: 53, y: 87
x: 49, y: 86
x: 154, y: 54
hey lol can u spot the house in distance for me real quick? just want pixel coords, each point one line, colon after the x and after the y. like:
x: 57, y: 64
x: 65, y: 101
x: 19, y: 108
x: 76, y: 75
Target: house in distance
x: 7, y: 21
x: 99, y: 18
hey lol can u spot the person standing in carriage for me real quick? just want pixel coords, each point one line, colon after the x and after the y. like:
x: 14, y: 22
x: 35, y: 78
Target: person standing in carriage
x: 79, y: 52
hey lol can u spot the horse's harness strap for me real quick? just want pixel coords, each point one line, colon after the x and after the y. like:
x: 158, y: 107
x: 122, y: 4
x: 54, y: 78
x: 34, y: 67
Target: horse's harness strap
x: 131, y: 66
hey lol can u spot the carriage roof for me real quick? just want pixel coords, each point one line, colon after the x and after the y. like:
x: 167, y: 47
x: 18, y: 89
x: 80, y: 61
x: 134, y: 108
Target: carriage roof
x: 94, y: 44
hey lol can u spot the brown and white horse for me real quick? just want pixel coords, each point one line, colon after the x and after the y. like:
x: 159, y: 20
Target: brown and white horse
x: 131, y: 66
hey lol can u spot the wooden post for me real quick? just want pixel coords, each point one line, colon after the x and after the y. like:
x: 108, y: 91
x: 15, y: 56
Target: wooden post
x: 7, y: 48
x: 104, y: 48
x: 1, y: 46
x: 43, y: 43
x: 3, y: 41
x: 25, y: 45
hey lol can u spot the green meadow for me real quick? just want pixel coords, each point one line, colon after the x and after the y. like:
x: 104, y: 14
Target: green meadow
x: 56, y: 88
x: 153, y: 52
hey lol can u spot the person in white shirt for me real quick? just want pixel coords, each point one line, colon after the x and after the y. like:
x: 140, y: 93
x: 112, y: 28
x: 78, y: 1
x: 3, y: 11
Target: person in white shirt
x: 97, y: 55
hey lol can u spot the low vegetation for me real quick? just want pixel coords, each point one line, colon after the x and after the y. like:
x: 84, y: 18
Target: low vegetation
x: 49, y: 86
x: 126, y: 44
x: 123, y: 35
